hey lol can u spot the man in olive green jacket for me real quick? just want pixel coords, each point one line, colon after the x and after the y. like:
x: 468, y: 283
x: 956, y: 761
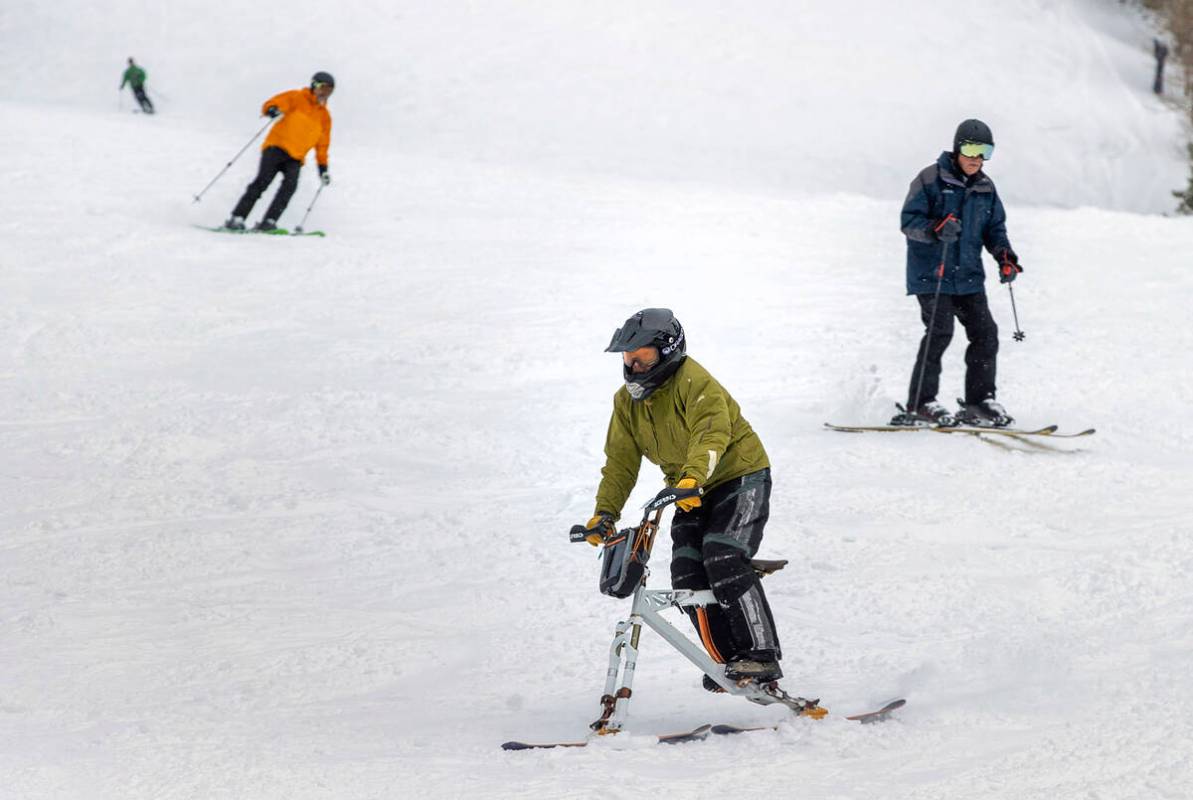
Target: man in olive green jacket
x: 674, y: 412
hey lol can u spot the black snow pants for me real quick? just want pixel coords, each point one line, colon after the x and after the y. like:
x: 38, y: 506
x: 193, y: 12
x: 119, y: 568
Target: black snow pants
x: 980, y: 357
x: 711, y: 549
x: 143, y: 99
x: 273, y: 161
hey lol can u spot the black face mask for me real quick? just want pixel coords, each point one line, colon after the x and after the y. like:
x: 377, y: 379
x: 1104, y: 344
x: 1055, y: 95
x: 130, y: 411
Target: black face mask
x: 642, y: 385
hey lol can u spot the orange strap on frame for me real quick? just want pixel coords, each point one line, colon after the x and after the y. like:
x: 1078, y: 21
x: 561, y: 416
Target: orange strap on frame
x: 706, y: 635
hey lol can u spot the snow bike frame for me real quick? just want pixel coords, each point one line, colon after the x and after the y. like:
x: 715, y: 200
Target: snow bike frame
x: 645, y: 610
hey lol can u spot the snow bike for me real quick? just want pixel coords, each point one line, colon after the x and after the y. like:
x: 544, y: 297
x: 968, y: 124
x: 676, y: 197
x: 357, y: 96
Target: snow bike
x: 624, y: 573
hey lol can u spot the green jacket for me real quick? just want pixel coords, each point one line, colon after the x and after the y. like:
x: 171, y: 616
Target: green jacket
x: 689, y: 426
x: 134, y: 76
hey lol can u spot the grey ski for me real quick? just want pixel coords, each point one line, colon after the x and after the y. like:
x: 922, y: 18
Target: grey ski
x: 865, y: 718
x: 694, y: 735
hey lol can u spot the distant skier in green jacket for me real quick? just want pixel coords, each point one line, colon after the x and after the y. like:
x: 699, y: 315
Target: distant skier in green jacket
x: 134, y: 77
x: 674, y: 412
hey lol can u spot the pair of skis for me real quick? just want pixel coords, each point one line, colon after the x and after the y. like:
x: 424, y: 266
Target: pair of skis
x: 981, y: 429
x: 1049, y: 431
x: 702, y: 732
x: 274, y: 232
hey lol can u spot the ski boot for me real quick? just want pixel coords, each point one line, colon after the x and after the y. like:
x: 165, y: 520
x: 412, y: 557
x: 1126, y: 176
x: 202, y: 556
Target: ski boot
x: 748, y: 667
x: 989, y: 413
x: 266, y: 226
x: 234, y: 223
x: 926, y: 414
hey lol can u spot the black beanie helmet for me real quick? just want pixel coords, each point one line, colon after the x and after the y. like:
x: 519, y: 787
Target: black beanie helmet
x: 972, y: 130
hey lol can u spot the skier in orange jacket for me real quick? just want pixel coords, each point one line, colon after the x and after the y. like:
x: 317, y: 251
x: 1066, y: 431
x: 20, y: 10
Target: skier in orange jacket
x: 304, y: 124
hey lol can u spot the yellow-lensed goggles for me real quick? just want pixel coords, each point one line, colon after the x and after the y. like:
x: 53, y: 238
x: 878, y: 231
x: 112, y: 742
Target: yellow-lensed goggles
x: 976, y: 150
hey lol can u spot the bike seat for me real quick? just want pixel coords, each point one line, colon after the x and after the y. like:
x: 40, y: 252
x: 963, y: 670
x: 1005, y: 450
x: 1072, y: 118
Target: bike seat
x: 765, y: 567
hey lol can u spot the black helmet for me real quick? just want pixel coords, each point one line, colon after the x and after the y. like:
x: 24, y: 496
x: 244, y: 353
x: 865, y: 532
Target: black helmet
x: 654, y: 327
x: 323, y: 77
x: 972, y: 130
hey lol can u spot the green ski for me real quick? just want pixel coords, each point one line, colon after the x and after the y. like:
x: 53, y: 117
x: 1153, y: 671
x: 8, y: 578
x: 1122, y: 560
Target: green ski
x: 274, y: 232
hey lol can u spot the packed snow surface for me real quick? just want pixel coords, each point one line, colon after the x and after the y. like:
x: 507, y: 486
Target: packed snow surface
x: 287, y: 517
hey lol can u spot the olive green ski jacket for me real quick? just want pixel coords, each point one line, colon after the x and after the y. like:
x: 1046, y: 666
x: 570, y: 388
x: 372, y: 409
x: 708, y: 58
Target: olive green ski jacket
x: 689, y: 426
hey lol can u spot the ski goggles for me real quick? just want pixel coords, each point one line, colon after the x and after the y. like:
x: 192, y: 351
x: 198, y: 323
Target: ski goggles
x: 976, y: 150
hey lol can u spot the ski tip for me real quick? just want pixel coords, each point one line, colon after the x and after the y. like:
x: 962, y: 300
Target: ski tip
x: 694, y: 735
x: 880, y: 714
x: 730, y: 730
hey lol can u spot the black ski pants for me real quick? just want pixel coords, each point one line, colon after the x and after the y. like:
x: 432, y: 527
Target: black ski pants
x: 273, y: 161
x: 711, y: 549
x: 143, y: 99
x: 981, y: 356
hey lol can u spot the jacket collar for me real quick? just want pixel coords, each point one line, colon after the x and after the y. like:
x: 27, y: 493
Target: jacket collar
x: 946, y: 169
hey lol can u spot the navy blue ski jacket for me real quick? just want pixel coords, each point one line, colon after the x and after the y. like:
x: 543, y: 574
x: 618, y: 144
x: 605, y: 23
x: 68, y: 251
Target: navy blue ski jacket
x: 940, y: 190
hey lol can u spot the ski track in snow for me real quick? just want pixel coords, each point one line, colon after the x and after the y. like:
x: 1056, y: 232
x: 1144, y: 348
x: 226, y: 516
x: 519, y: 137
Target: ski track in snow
x: 287, y: 517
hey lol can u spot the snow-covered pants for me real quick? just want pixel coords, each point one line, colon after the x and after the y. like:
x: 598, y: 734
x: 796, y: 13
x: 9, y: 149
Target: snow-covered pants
x: 273, y: 161
x: 981, y: 356
x: 711, y: 549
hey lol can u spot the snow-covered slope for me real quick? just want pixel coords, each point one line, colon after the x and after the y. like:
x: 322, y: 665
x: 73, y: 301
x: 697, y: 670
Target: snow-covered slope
x: 286, y: 518
x: 799, y: 96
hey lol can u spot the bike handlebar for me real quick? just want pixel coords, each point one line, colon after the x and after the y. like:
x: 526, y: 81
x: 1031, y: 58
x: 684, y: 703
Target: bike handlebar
x: 579, y: 533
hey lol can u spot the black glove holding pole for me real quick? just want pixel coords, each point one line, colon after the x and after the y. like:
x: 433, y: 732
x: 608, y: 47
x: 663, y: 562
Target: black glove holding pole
x: 1008, y: 265
x: 947, y: 229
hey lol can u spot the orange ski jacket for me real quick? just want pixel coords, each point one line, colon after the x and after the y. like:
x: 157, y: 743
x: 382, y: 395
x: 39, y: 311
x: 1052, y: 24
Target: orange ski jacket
x: 304, y: 124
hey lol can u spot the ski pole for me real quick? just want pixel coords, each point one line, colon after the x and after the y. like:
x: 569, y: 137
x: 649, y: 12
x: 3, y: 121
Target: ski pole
x: 228, y: 166
x: 919, y: 386
x: 312, y: 205
x: 1019, y: 335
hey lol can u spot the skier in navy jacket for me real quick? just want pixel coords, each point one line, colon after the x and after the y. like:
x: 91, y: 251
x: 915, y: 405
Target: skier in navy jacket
x: 951, y: 213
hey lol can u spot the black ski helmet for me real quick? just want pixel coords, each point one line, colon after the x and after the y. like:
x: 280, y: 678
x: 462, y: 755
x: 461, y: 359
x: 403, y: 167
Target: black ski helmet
x: 323, y: 77
x: 972, y: 130
x: 654, y: 327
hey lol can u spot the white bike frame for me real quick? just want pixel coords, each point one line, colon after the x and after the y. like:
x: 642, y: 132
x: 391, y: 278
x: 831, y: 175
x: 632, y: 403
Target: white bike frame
x: 623, y: 652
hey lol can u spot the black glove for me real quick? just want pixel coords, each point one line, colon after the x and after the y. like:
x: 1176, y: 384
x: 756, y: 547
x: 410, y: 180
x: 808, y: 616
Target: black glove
x: 324, y: 175
x: 947, y: 229
x: 272, y: 112
x: 1008, y: 265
